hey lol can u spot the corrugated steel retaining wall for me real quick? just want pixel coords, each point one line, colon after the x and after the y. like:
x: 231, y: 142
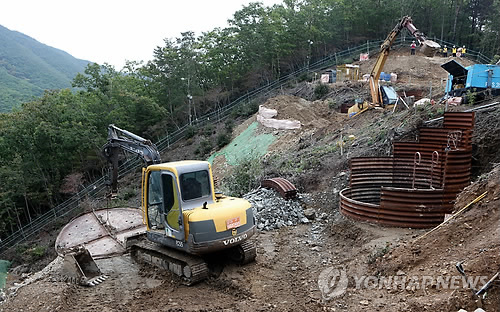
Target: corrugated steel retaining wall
x: 410, y: 189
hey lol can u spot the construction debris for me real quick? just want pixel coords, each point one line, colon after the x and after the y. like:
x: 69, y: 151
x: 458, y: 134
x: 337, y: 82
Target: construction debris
x: 273, y: 212
x: 266, y: 118
x: 52, y: 269
x: 283, y: 186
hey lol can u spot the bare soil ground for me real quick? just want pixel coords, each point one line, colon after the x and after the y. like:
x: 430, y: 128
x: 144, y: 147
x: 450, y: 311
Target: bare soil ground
x: 283, y: 278
x: 418, y: 69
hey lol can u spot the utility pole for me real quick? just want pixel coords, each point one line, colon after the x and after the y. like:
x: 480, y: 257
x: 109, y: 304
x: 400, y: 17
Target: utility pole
x: 190, y: 99
x: 310, y: 51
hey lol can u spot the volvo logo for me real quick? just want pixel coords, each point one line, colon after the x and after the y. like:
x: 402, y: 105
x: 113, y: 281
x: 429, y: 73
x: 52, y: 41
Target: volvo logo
x: 235, y: 239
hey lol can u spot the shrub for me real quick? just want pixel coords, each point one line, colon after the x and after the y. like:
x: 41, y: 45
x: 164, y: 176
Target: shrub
x: 470, y: 97
x: 30, y: 254
x: 305, y: 77
x: 204, y: 148
x: 245, y: 110
x: 190, y: 132
x: 249, y: 109
x: 37, y: 252
x: 128, y: 193
x: 321, y: 90
x: 223, y: 139
x: 208, y: 130
x: 332, y: 104
x: 229, y: 125
x: 244, y: 177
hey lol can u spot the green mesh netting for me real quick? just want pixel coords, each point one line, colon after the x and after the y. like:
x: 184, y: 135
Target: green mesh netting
x: 246, y: 145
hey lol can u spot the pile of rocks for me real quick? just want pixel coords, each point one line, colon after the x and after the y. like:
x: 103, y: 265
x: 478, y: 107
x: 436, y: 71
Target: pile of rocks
x: 271, y: 211
x: 52, y: 268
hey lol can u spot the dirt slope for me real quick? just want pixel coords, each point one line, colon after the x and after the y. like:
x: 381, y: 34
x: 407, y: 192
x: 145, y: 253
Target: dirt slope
x: 292, y: 260
x: 417, y: 69
x: 473, y: 238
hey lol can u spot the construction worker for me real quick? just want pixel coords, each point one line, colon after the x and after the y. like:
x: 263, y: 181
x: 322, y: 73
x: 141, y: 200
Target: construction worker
x: 463, y: 51
x: 454, y: 51
x: 445, y: 51
x: 413, y: 46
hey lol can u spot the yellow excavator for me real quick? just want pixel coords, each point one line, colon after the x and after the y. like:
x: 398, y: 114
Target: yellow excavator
x: 186, y: 219
x: 382, y: 96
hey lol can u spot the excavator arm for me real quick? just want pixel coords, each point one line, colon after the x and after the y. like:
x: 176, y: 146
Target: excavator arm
x: 119, y: 139
x: 429, y: 48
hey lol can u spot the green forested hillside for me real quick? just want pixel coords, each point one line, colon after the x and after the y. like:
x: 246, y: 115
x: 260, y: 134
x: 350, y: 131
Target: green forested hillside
x: 28, y: 67
x: 59, y: 134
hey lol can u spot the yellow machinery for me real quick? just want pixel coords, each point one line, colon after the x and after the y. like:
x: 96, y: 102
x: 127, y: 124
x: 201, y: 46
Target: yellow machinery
x: 185, y: 218
x: 386, y: 95
x: 80, y: 268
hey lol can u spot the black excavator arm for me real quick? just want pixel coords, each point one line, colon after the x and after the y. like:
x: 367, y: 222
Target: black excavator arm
x: 119, y: 139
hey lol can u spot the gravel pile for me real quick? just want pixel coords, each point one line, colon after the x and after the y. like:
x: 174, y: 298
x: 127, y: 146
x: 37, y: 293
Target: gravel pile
x: 52, y: 268
x: 271, y: 211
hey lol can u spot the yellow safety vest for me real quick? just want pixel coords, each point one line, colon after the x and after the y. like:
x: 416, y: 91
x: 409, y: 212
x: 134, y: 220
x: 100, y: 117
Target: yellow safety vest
x: 454, y: 50
x: 463, y: 50
x: 445, y: 50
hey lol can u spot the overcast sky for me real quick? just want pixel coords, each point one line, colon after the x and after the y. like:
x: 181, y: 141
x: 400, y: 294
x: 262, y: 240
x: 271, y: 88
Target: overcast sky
x: 113, y: 31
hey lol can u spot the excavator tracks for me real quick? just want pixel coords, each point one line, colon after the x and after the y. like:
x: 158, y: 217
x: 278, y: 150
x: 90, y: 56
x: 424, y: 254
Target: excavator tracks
x: 245, y: 253
x: 190, y: 269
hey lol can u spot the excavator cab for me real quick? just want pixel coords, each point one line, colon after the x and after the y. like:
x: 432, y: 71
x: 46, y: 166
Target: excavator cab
x: 168, y: 195
x: 181, y: 211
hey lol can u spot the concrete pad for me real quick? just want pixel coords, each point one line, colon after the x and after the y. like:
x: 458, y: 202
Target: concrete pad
x: 103, y: 232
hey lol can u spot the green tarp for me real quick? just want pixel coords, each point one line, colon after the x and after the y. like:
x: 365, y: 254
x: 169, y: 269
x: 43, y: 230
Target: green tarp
x: 4, y: 268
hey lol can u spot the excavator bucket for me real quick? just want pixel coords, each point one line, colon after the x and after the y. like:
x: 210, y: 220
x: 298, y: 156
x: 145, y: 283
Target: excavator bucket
x: 80, y: 268
x: 430, y: 48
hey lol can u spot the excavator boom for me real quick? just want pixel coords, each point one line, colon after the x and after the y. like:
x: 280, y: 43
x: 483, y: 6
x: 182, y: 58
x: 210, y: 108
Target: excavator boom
x: 122, y: 139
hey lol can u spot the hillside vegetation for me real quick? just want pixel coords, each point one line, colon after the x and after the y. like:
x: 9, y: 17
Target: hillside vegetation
x: 58, y: 135
x: 28, y: 67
